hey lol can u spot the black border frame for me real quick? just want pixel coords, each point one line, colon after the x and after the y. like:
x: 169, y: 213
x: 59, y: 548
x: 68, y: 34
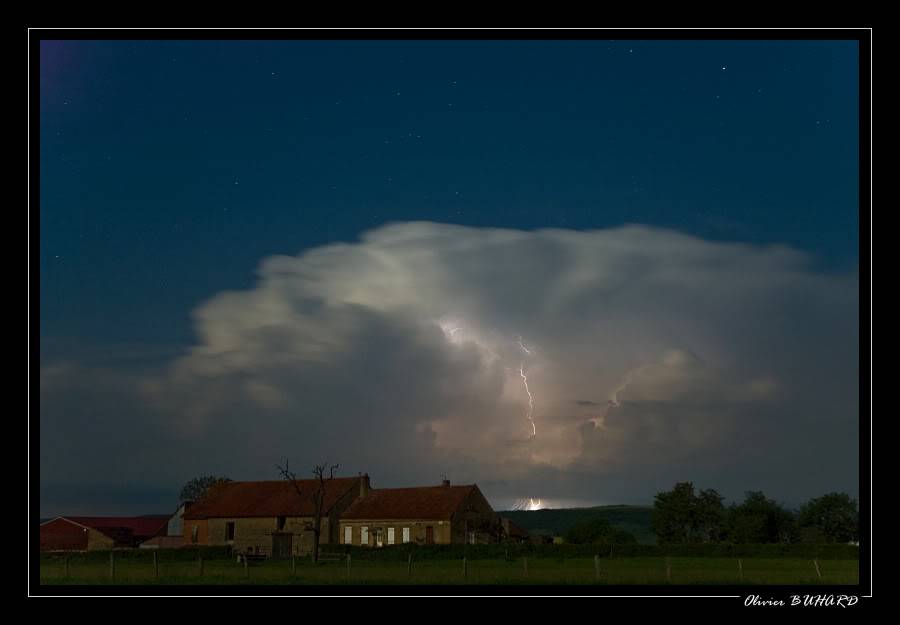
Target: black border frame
x: 775, y: 592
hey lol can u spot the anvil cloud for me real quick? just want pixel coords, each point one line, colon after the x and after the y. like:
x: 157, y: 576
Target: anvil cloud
x: 656, y: 357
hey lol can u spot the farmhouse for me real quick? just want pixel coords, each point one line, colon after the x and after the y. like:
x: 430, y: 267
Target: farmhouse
x: 442, y: 514
x: 78, y: 533
x: 270, y: 517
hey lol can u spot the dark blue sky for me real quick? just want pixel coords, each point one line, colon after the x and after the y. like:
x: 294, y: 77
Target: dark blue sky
x: 170, y: 168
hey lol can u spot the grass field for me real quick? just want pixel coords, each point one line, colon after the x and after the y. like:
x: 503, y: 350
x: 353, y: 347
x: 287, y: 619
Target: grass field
x: 636, y: 570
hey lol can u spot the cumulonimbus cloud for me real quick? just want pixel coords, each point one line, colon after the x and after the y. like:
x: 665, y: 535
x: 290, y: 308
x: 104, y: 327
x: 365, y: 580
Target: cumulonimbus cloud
x: 400, y: 354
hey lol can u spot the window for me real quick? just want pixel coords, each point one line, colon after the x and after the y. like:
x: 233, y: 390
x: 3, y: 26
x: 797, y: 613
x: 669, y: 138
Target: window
x: 195, y: 530
x: 406, y: 534
x: 229, y: 530
x: 280, y: 523
x: 390, y: 535
x: 364, y: 535
x: 348, y: 535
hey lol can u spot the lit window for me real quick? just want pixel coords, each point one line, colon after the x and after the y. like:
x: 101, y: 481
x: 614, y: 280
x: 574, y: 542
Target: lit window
x: 348, y: 535
x: 406, y: 534
x: 390, y: 535
x: 364, y: 535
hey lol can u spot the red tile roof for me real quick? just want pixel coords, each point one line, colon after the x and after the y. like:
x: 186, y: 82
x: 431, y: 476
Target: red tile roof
x: 269, y: 498
x: 426, y: 502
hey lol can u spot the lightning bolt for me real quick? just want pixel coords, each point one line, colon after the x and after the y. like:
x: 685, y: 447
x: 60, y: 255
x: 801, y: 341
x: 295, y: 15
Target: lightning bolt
x: 530, y: 400
x: 614, y: 397
x: 522, y: 345
x: 529, y: 415
x: 613, y: 401
x: 528, y: 504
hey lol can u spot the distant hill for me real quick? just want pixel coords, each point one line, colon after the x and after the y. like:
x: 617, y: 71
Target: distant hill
x: 633, y: 519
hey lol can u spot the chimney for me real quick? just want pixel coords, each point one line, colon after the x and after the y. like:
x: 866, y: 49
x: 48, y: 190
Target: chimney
x: 363, y: 485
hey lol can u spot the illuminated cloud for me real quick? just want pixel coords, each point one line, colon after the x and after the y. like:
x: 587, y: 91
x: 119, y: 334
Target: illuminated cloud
x: 655, y: 357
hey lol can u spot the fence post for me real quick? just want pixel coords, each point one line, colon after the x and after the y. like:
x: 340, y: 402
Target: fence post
x: 246, y: 568
x: 596, y: 567
x: 740, y: 570
x: 465, y: 568
x: 155, y: 566
x: 349, y: 568
x: 112, y: 565
x: 668, y: 570
x: 409, y: 566
x: 293, y: 564
x: 818, y: 572
x: 200, y: 564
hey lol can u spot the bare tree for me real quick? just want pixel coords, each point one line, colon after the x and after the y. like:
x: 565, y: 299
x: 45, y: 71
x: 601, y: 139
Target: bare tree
x: 318, y: 496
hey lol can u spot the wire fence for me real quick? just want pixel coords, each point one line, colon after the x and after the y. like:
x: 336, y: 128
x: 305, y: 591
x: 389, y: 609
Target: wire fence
x: 346, y: 569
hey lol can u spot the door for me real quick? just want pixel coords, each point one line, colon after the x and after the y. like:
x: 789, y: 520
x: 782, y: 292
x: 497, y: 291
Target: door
x: 281, y: 545
x: 379, y: 540
x: 429, y: 535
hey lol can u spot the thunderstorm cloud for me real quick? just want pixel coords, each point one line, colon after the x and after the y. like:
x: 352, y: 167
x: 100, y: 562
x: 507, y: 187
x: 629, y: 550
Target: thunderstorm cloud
x: 652, y: 356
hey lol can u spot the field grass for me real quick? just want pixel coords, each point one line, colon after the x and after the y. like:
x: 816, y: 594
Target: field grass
x: 636, y: 570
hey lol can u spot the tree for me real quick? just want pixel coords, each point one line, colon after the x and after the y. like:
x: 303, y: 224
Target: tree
x: 197, y: 488
x: 318, y: 496
x: 709, y: 516
x: 834, y: 515
x: 680, y: 516
x: 598, y: 531
x: 760, y: 520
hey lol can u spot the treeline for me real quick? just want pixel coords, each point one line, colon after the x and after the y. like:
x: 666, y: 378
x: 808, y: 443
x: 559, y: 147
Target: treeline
x: 683, y: 516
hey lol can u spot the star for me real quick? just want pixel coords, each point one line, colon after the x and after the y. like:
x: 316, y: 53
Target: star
x: 724, y: 67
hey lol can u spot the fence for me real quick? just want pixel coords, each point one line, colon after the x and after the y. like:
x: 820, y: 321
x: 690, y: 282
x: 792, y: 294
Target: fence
x: 156, y: 567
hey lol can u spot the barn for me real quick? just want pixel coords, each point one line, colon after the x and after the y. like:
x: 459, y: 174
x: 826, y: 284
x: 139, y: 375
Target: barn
x: 80, y: 533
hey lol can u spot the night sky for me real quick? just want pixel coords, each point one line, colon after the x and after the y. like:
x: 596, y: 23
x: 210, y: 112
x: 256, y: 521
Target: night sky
x: 332, y: 250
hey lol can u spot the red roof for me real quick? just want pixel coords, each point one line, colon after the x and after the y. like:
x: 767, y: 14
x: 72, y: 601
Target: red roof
x: 68, y: 533
x: 426, y: 502
x: 269, y: 499
x: 138, y: 526
x: 63, y: 535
